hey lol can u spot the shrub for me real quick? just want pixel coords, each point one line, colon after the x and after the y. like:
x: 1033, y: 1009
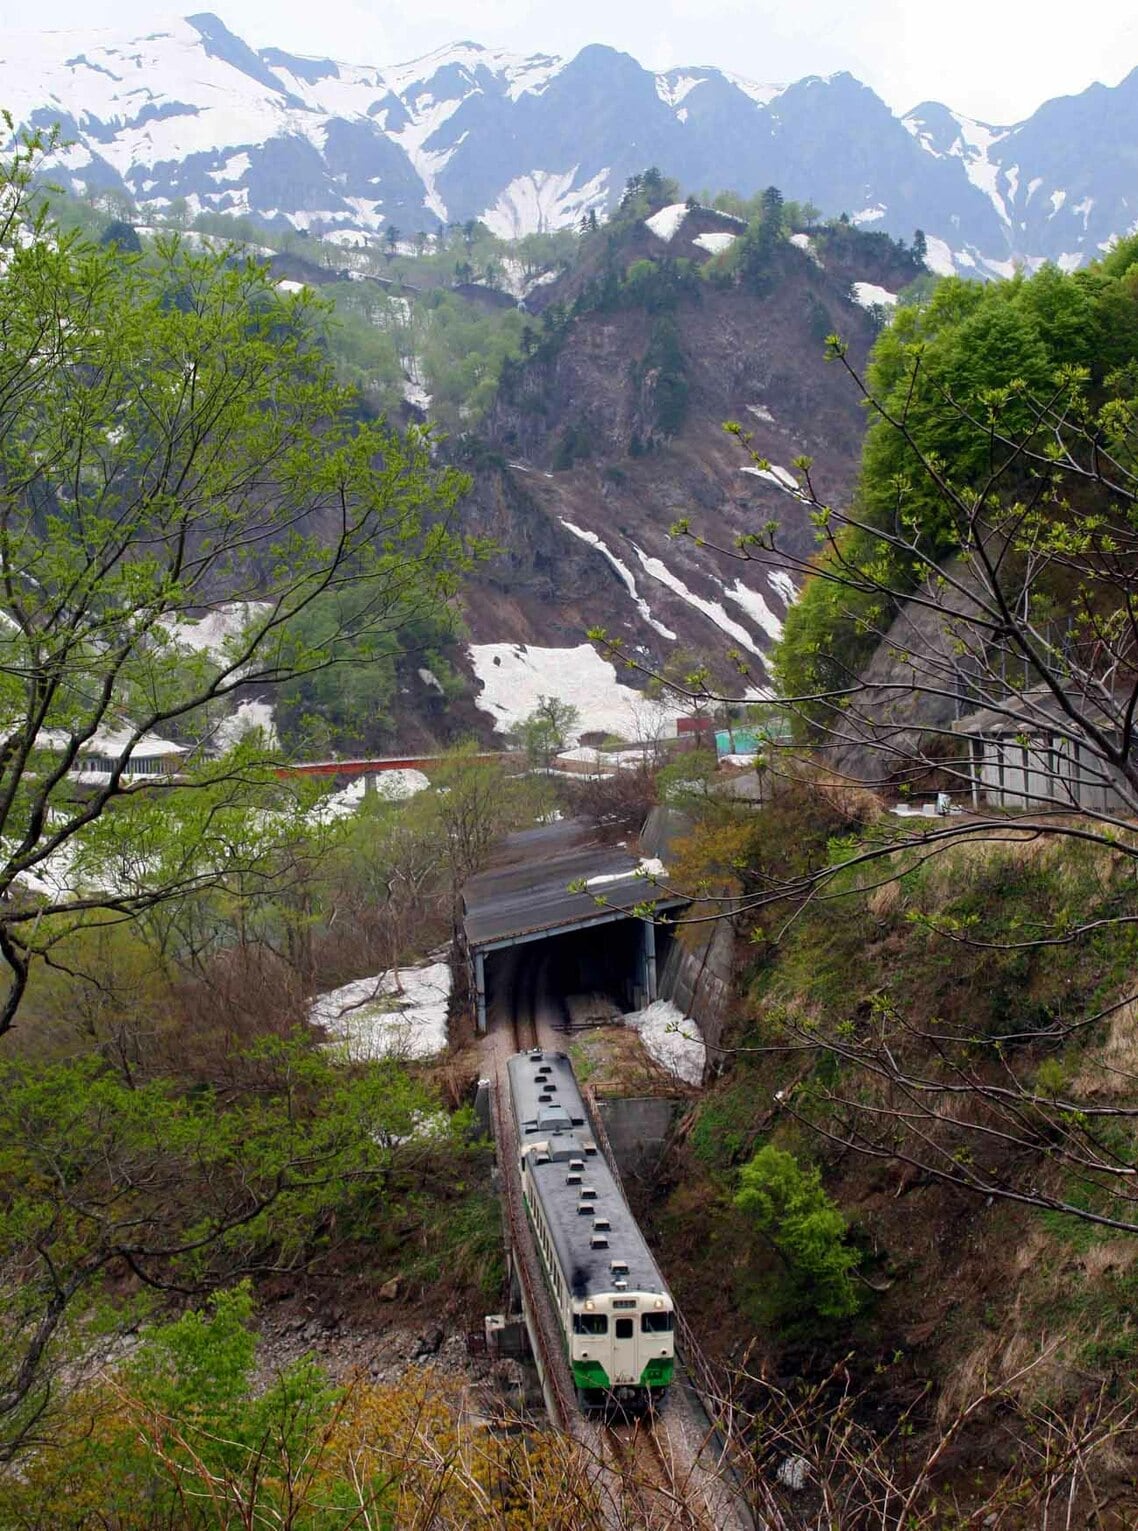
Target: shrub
x: 792, y: 1212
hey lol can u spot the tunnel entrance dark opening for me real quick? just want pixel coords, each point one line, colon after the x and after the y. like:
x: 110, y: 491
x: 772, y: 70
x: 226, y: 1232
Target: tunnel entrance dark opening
x: 601, y: 963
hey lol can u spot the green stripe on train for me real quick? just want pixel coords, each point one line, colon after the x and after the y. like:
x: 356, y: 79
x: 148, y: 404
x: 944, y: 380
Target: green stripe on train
x: 658, y: 1373
x: 589, y: 1374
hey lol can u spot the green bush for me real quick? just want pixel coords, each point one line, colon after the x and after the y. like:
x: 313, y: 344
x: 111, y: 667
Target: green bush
x: 792, y: 1213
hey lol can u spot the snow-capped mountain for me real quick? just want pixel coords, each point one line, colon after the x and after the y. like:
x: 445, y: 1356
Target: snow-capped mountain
x: 191, y: 112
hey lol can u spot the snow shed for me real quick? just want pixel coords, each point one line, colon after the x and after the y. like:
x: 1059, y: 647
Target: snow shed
x: 559, y: 885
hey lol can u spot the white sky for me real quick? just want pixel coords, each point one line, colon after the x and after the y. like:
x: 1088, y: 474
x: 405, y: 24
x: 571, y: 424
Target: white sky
x: 993, y: 59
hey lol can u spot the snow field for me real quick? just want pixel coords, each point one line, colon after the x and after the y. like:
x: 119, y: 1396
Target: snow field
x: 515, y: 675
x: 672, y: 1039
x: 393, y: 1015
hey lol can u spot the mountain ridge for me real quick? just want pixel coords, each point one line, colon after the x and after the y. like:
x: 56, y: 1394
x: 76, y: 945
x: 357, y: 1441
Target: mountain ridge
x: 189, y: 111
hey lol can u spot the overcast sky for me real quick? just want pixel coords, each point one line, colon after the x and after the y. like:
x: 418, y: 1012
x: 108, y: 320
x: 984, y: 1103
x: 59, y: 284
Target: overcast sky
x: 994, y: 59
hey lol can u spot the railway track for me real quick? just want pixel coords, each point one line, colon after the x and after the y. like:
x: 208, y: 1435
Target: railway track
x: 656, y: 1489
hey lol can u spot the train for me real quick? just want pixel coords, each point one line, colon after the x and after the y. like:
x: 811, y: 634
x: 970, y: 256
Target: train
x: 613, y: 1308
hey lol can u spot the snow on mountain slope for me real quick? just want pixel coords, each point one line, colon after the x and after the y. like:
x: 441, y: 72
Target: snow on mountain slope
x: 189, y: 111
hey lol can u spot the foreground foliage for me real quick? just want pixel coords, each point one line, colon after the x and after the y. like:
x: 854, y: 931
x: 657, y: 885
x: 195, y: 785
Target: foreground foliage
x: 182, y: 1438
x: 113, y: 1192
x: 171, y: 435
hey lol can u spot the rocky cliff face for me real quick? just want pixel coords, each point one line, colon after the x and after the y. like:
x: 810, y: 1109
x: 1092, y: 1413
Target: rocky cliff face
x: 579, y: 484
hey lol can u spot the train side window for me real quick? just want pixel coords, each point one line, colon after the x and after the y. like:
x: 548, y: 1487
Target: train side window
x: 624, y: 1328
x: 590, y: 1323
x: 656, y: 1323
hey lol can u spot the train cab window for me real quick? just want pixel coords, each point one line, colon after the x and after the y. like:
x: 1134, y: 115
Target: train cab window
x: 656, y: 1323
x: 590, y: 1323
x: 624, y: 1328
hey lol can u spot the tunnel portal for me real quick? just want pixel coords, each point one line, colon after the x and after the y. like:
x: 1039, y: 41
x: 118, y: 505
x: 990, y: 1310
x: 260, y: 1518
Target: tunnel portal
x: 560, y: 887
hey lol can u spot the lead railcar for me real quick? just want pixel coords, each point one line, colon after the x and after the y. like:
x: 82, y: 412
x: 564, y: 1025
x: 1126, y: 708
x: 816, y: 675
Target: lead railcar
x: 614, y: 1310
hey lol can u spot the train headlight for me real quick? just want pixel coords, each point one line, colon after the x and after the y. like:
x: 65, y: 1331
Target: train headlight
x: 589, y: 1306
x: 659, y: 1303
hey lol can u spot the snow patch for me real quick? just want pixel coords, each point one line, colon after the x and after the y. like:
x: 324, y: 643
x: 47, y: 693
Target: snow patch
x: 761, y: 412
x: 515, y: 675
x: 672, y: 89
x: 672, y: 1039
x: 782, y: 584
x: 755, y: 607
x: 781, y: 478
x: 247, y: 718
x: 870, y: 295
x: 938, y: 256
x: 667, y: 222
x: 761, y: 95
x: 623, y: 571
x: 715, y: 243
x: 215, y: 633
x: 869, y: 214
x: 712, y: 609
x: 648, y: 867
x: 393, y: 1015
x: 545, y: 200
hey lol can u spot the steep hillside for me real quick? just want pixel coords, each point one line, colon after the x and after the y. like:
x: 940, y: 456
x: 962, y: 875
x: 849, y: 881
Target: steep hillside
x: 612, y: 431
x: 191, y: 112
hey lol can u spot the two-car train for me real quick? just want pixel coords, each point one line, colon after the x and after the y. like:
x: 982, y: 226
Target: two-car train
x: 613, y: 1308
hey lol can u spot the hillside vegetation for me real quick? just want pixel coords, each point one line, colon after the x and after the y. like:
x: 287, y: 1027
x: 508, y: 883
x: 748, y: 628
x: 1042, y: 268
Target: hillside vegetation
x: 908, y: 1192
x: 972, y: 360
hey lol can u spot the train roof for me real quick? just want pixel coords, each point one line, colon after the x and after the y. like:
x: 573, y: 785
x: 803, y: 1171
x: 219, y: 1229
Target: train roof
x: 545, y: 1095
x: 548, y: 1108
x: 588, y: 1270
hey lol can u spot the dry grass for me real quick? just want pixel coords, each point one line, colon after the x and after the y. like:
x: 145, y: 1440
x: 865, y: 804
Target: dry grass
x: 1111, y: 1071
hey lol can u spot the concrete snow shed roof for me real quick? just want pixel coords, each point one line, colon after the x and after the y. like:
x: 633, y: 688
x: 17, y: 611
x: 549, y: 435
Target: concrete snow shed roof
x: 526, y: 891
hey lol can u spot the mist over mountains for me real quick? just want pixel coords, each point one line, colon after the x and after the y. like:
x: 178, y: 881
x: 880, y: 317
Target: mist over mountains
x: 189, y: 111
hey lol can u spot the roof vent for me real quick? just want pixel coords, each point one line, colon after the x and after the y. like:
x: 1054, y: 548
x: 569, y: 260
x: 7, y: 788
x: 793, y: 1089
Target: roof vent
x: 588, y: 1193
x: 536, y: 1055
x: 601, y: 1224
x: 600, y: 1241
x: 585, y: 1209
x: 619, y: 1267
x: 573, y: 1178
x: 542, y: 1158
x: 576, y: 1164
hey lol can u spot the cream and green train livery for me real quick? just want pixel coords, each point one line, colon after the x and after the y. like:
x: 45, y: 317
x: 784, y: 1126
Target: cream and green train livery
x: 614, y: 1310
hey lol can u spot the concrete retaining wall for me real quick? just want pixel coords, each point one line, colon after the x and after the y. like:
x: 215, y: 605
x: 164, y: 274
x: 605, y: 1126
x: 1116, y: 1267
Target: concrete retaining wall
x: 637, y: 1128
